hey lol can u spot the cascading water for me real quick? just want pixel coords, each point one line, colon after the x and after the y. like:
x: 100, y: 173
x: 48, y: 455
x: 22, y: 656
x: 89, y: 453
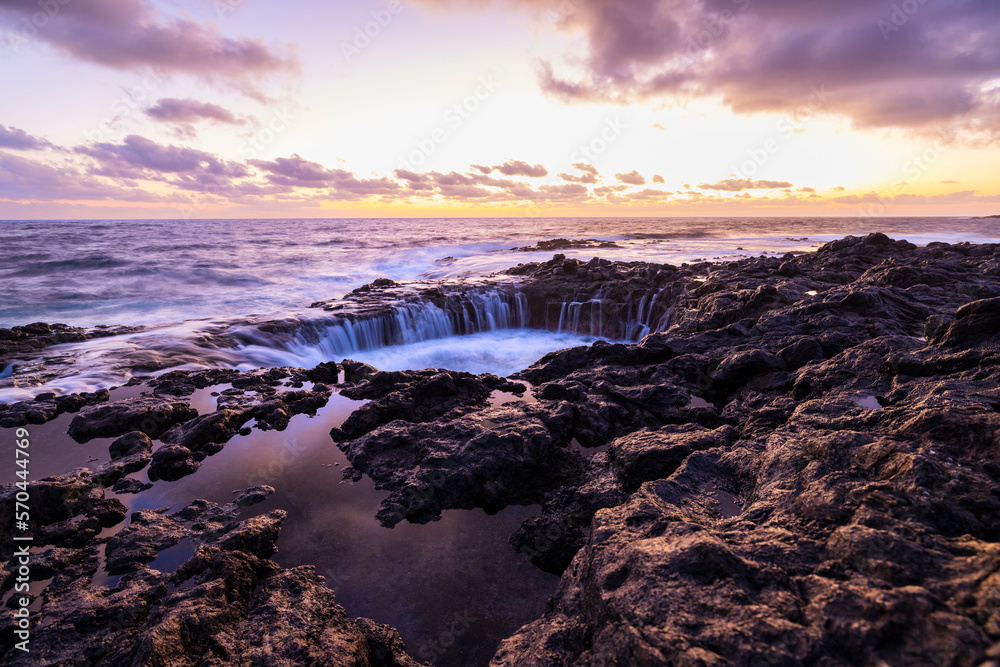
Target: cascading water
x: 402, y: 324
x: 630, y: 319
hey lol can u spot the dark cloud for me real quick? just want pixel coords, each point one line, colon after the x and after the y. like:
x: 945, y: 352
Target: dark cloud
x: 631, y: 178
x: 915, y: 65
x: 187, y: 112
x: 739, y: 184
x: 12, y: 137
x: 130, y: 34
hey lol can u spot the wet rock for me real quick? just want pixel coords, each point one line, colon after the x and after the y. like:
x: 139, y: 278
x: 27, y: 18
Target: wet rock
x: 128, y: 485
x: 551, y: 539
x: 135, y: 442
x: 498, y: 457
x: 109, y: 474
x: 253, y: 496
x: 31, y: 338
x: 185, y: 383
x: 172, y: 462
x: 325, y: 373
x: 47, y: 407
x: 148, y: 414
x: 226, y: 604
x: 207, y: 432
x: 413, y: 396
x: 355, y: 371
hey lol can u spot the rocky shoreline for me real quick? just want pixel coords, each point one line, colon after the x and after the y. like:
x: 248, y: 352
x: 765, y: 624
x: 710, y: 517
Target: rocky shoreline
x: 798, y: 464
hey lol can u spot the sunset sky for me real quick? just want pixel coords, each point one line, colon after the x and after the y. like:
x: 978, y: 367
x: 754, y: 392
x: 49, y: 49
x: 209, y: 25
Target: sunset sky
x: 256, y: 108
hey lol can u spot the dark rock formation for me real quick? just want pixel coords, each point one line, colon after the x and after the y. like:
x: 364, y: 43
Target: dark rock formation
x: 793, y: 475
x: 225, y: 605
x: 46, y: 407
x: 148, y: 414
x: 30, y: 338
x: 135, y: 442
x: 566, y: 244
x: 800, y: 467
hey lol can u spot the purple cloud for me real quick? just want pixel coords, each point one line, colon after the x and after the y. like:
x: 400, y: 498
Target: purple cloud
x: 519, y: 168
x: 298, y: 172
x: 12, y: 137
x: 186, y: 112
x: 631, y: 178
x: 129, y: 34
x: 872, y: 62
x: 589, y: 176
x: 138, y: 157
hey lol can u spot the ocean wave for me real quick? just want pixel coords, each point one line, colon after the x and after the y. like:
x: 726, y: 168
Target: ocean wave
x: 93, y: 263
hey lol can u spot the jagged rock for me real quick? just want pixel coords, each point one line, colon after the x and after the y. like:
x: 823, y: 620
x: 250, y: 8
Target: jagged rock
x: 214, y: 428
x: 172, y: 462
x: 148, y: 414
x: 498, y: 457
x: 46, y: 407
x: 324, y: 373
x: 225, y: 605
x: 412, y: 396
x: 649, y: 455
x: 135, y: 442
x: 253, y: 496
x: 355, y: 371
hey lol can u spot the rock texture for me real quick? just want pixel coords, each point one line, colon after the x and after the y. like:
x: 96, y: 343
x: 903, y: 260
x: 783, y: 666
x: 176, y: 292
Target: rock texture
x: 801, y: 470
x: 29, y: 338
x: 227, y: 604
x: 865, y: 459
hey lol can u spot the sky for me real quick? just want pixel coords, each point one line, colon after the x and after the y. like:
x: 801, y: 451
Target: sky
x: 435, y: 108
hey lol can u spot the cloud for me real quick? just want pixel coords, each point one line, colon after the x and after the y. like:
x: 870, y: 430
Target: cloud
x: 298, y: 172
x: 131, y: 34
x: 936, y: 66
x: 187, y: 112
x: 609, y: 190
x: 519, y: 168
x: 36, y: 180
x: 632, y: 178
x: 589, y: 176
x: 141, y: 158
x: 949, y: 182
x: 12, y: 137
x: 739, y: 184
x: 648, y: 194
x: 807, y: 190
x: 658, y: 179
